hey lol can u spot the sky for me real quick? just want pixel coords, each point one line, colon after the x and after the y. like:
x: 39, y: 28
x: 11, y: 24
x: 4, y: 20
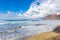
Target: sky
x: 15, y: 5
x: 18, y: 9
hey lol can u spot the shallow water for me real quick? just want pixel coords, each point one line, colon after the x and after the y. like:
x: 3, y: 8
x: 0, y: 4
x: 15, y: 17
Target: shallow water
x: 8, y: 30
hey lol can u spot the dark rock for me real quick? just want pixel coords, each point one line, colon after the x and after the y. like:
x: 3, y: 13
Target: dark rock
x: 18, y: 27
x: 57, y: 29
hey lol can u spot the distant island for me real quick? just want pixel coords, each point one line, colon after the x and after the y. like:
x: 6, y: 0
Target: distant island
x: 52, y: 17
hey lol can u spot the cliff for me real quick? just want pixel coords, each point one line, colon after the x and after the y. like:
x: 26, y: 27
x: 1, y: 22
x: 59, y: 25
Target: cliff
x: 52, y: 17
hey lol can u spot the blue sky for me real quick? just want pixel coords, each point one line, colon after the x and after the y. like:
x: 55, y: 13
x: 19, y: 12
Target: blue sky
x: 15, y: 5
x: 17, y: 9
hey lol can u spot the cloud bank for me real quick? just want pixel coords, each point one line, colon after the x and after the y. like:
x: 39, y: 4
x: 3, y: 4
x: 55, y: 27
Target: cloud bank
x: 41, y: 8
x: 38, y: 8
x: 12, y: 15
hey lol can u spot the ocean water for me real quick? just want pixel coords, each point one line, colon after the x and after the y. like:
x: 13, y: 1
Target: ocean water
x: 8, y: 30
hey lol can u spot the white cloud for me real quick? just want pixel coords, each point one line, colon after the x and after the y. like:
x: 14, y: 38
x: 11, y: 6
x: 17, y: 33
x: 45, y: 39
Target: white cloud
x: 43, y: 9
x: 39, y: 8
x: 12, y: 15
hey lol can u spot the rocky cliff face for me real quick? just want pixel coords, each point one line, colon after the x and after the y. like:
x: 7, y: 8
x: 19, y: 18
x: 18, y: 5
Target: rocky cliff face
x: 52, y: 17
